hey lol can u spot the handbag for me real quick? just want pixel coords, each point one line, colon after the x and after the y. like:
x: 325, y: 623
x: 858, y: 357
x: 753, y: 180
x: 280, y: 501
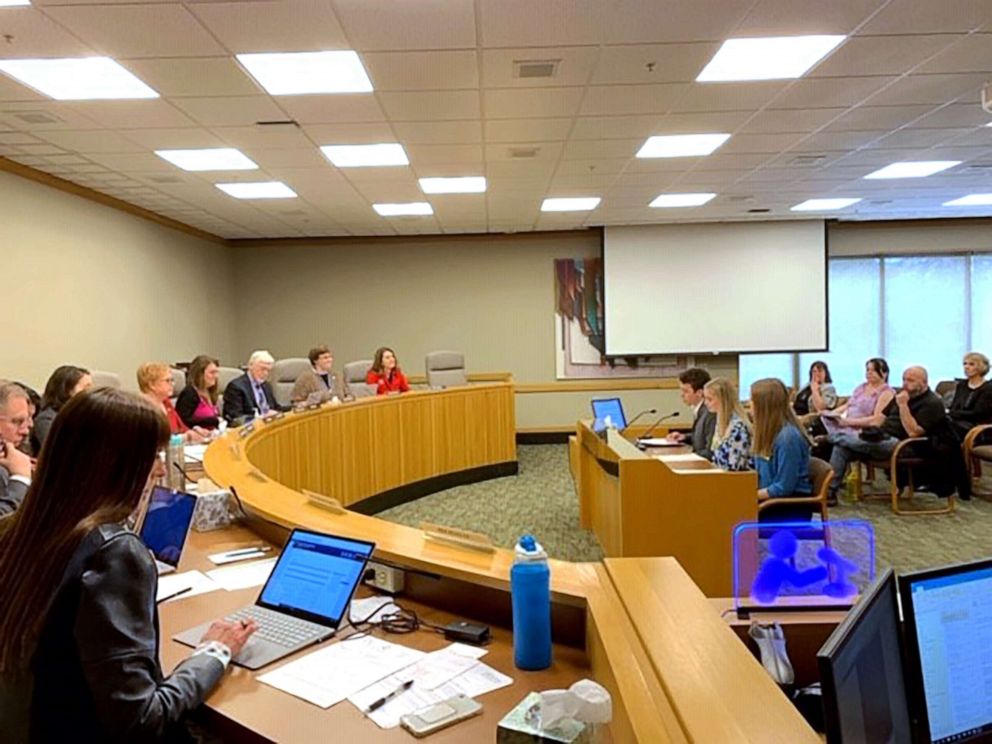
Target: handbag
x: 872, y: 434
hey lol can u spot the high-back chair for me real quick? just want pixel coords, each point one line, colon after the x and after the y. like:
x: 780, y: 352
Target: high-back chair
x: 354, y: 374
x: 445, y: 369
x: 283, y: 377
x: 105, y: 379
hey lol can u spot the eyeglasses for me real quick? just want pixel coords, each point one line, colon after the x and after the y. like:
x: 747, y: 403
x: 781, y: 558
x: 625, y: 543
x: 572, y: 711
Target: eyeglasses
x: 19, y: 421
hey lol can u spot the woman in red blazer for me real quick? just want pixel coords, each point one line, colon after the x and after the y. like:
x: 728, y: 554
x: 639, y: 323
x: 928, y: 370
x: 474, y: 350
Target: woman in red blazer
x: 385, y: 374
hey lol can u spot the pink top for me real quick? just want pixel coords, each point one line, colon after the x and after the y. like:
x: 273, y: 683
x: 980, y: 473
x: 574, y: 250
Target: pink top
x: 205, y: 410
x: 861, y: 404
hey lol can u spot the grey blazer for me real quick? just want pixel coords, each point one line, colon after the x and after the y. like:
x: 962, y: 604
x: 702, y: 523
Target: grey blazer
x: 11, y: 493
x: 703, y: 428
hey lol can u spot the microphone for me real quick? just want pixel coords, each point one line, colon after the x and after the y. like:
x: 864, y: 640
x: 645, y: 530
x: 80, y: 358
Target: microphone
x: 645, y: 411
x: 653, y: 426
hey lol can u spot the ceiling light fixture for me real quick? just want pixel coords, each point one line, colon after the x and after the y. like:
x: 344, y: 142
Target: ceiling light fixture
x: 824, y: 205
x: 971, y: 200
x: 403, y: 210
x: 913, y: 169
x: 77, y: 79
x: 458, y: 185
x: 681, y: 145
x: 13, y: 3
x: 681, y: 200
x: 570, y: 204
x: 366, y: 156
x: 307, y: 73
x: 769, y: 58
x: 257, y: 190
x: 208, y: 159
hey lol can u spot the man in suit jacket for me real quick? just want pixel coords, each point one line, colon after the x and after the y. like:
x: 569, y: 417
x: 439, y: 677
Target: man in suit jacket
x: 320, y: 379
x: 691, y: 384
x: 251, y: 393
x: 15, y: 466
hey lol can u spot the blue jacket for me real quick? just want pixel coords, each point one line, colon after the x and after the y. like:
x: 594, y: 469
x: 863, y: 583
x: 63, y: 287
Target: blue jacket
x: 786, y: 472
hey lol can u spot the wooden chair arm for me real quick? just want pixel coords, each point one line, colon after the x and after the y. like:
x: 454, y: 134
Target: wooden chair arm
x: 790, y: 501
x: 974, y: 433
x: 894, y: 458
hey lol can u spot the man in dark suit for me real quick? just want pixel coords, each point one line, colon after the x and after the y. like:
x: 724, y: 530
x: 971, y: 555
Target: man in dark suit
x: 251, y: 393
x: 15, y: 466
x: 691, y: 384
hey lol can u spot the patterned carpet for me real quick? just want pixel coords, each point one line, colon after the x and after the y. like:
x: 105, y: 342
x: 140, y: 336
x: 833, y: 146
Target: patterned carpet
x: 542, y: 500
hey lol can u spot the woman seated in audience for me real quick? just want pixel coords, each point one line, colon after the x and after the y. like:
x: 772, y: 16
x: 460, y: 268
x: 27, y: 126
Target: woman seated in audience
x: 732, y: 437
x: 197, y: 403
x: 780, y: 449
x: 65, y: 382
x: 972, y: 403
x: 818, y: 396
x: 155, y: 383
x: 385, y: 373
x: 79, y: 635
x: 867, y: 401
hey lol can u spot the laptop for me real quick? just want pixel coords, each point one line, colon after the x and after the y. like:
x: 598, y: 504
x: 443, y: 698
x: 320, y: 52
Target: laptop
x: 304, y: 600
x: 165, y: 526
x: 608, y: 413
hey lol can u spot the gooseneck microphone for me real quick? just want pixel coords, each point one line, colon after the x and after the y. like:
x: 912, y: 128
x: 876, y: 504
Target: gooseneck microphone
x: 647, y: 434
x: 642, y: 413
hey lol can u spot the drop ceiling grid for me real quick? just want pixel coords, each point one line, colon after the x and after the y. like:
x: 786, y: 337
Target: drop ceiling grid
x: 449, y: 96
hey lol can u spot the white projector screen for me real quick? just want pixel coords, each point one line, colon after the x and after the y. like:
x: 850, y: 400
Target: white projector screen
x: 717, y: 287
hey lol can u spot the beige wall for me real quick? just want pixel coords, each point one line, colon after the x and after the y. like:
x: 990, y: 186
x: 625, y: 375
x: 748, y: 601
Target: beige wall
x: 90, y: 285
x: 924, y: 236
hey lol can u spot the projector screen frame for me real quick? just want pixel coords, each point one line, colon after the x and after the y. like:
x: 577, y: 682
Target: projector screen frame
x: 826, y: 298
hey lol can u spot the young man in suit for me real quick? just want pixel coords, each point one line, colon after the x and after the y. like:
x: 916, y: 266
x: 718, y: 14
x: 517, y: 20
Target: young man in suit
x: 251, y: 392
x: 320, y: 379
x: 15, y: 466
x: 691, y: 384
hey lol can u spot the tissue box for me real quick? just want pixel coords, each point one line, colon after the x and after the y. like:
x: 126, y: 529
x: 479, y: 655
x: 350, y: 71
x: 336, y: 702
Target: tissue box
x: 517, y: 728
x: 212, y: 511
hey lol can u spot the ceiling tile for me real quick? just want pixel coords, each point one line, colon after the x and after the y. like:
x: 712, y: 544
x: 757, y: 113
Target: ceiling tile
x: 91, y: 141
x: 915, y: 138
x: 790, y: 120
x: 829, y: 92
x: 132, y: 162
x: 882, y: 55
x: 631, y: 99
x: 138, y: 30
x: 424, y: 155
x: 527, y: 130
x: 516, y: 23
x: 275, y: 137
x: 650, y: 21
x: 912, y: 16
x: 876, y: 117
x: 308, y: 158
x: 425, y: 24
x: 349, y: 134
x: 614, y: 127
x: 593, y: 167
x: 545, y: 151
x: 196, y: 76
x: 729, y: 96
x: 33, y: 34
x: 237, y: 111
x: 326, y: 109
x: 601, y: 149
x: 273, y: 25
x: 532, y: 103
x: 11, y: 90
x: 798, y: 17
x: 575, y: 65
x: 393, y: 71
x: 929, y: 89
x: 169, y: 139
x: 432, y: 105
x: 145, y: 114
x: 970, y: 54
x: 438, y: 132
x: 653, y: 63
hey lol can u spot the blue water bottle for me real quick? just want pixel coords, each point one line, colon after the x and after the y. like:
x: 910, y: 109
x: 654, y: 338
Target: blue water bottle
x: 530, y: 591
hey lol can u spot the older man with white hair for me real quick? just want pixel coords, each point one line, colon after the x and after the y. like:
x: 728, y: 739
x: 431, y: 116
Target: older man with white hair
x: 251, y: 394
x: 15, y: 466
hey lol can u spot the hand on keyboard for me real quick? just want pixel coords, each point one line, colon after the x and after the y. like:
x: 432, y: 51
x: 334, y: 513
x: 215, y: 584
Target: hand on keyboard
x: 233, y: 634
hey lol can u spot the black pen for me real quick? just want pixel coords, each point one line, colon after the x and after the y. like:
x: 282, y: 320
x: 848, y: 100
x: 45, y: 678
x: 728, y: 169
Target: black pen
x: 383, y: 700
x: 175, y: 594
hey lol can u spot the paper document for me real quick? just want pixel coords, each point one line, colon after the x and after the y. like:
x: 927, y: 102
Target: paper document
x: 330, y: 675
x: 659, y: 442
x: 441, y: 666
x: 243, y: 576
x: 220, y: 559
x: 680, y: 457
x: 197, y: 582
x: 194, y: 452
x: 362, y: 609
x: 477, y: 680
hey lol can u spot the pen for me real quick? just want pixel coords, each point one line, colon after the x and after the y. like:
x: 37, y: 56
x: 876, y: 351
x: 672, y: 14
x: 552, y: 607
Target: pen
x: 175, y: 594
x: 247, y: 551
x: 383, y: 700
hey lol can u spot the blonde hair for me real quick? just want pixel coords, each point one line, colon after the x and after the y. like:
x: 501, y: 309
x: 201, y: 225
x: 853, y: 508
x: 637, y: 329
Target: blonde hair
x: 149, y: 372
x: 770, y: 405
x: 725, y: 392
x: 980, y: 359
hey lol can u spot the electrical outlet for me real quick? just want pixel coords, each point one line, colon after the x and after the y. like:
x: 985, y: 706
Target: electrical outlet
x: 386, y: 578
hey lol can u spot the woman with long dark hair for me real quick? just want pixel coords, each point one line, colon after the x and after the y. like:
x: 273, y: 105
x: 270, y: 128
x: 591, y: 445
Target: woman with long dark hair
x: 197, y: 403
x: 79, y: 636
x: 65, y: 382
x: 386, y: 374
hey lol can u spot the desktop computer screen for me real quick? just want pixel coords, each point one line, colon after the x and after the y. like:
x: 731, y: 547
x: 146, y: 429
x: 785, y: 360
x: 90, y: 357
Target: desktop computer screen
x: 608, y: 413
x: 861, y: 672
x: 948, y: 614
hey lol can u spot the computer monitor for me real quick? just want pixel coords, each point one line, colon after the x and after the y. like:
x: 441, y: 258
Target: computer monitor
x: 861, y: 672
x: 948, y: 617
x: 608, y: 412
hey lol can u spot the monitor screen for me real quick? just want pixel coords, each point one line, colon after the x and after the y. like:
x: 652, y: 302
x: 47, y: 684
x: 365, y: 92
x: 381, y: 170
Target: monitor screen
x: 608, y: 412
x: 166, y: 523
x: 948, y: 615
x: 861, y: 672
x: 316, y: 576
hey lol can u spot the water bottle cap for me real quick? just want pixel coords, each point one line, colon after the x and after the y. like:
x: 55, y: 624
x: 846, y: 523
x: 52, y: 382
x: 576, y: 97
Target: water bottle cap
x: 527, y: 542
x: 176, y: 439
x: 529, y: 549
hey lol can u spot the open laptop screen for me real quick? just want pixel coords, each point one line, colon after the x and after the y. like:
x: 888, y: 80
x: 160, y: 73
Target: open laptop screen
x: 608, y: 412
x: 166, y: 523
x: 316, y: 576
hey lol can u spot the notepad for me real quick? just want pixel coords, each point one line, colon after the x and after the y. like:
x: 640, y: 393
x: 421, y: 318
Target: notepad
x: 243, y: 576
x: 659, y: 442
x: 197, y: 582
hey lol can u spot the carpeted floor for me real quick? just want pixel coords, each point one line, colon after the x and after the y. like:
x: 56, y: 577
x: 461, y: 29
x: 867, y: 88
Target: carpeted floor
x: 541, y: 500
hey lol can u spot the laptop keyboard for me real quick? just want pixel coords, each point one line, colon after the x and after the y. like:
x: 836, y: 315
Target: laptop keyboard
x: 278, y: 628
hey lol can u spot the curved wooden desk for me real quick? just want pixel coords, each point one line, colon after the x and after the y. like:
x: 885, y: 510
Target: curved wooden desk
x: 362, y: 450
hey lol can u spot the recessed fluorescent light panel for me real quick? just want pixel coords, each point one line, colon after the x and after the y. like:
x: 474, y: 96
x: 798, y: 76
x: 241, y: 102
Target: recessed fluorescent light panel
x: 913, y: 169
x: 972, y: 200
x: 402, y: 210
x: 681, y: 145
x: 12, y: 3
x: 680, y: 200
x: 771, y: 58
x: 302, y: 73
x: 209, y: 159
x: 79, y: 79
x: 365, y: 156
x: 570, y: 204
x: 823, y: 205
x: 258, y: 190
x: 459, y: 185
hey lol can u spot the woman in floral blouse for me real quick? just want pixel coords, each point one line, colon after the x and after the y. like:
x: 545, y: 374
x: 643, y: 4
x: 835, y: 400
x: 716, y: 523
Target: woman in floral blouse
x: 732, y: 438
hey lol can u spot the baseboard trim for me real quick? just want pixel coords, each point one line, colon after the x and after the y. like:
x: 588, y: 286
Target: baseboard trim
x: 544, y: 437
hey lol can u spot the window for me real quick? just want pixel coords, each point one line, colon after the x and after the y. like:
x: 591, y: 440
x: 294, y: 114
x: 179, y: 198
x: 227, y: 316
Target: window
x: 757, y: 366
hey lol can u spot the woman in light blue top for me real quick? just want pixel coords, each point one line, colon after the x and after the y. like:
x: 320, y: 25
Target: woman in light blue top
x: 781, y: 450
x: 732, y: 437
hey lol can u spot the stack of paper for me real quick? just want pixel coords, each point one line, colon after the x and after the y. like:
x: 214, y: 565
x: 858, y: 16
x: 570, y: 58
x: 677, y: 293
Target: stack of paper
x: 194, y: 452
x: 244, y: 576
x: 194, y: 580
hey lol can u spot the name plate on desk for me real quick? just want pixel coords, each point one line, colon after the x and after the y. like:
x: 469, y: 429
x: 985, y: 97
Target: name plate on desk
x: 247, y: 429
x: 329, y: 503
x: 456, y: 536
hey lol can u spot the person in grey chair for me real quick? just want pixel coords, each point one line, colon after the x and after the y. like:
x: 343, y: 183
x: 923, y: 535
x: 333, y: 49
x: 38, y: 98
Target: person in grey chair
x: 65, y: 382
x: 15, y: 465
x: 251, y: 393
x: 320, y: 378
x: 691, y: 384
